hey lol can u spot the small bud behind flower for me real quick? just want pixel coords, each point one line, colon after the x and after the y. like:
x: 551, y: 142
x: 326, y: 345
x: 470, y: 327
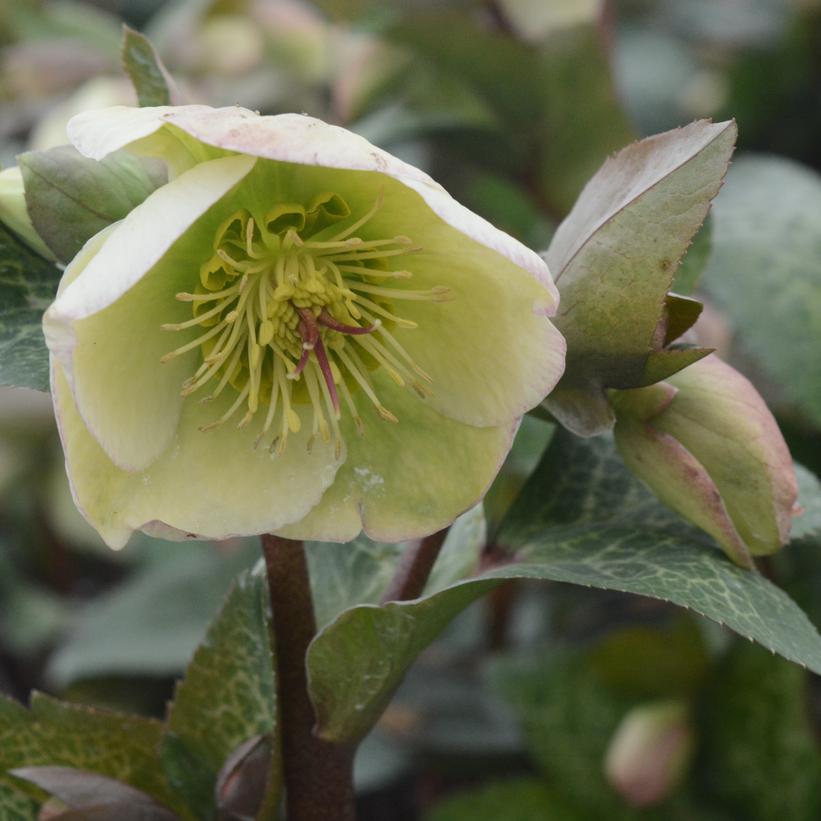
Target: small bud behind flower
x: 649, y: 752
x: 708, y: 446
x: 13, y: 211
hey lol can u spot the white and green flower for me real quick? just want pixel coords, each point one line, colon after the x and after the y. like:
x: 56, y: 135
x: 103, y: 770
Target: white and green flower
x: 298, y: 333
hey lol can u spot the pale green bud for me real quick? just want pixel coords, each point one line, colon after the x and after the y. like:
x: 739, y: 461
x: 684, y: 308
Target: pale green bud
x: 708, y: 446
x: 13, y: 211
x: 649, y: 752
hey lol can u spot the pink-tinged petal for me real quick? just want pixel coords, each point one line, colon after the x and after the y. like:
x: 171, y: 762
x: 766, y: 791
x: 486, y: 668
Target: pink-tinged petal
x: 718, y: 414
x: 680, y: 481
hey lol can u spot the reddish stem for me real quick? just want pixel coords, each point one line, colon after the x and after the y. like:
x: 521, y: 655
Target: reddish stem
x: 414, y: 568
x: 318, y: 774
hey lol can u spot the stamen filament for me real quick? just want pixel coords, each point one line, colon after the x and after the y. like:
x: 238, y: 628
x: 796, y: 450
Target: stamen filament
x: 374, y: 272
x: 436, y: 294
x: 363, y: 220
x: 378, y: 309
x: 186, y: 297
x: 194, y: 343
x: 229, y: 413
x: 199, y: 319
x: 328, y: 321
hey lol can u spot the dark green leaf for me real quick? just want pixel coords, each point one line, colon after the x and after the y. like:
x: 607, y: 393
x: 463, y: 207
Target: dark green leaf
x: 125, y: 632
x: 499, y: 70
x: 614, y: 259
x: 52, y: 733
x: 758, y: 755
x: 515, y: 800
x: 569, y: 717
x: 145, y: 69
x: 584, y: 121
x: 765, y: 271
x: 652, y: 662
x: 71, y: 198
x: 27, y: 286
x: 15, y: 805
x: 581, y: 519
x: 227, y: 696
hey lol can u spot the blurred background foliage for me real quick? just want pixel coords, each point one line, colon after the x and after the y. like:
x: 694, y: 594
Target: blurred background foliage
x: 512, y: 105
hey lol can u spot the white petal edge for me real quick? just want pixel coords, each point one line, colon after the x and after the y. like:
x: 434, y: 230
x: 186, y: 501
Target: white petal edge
x: 126, y: 254
x: 296, y: 138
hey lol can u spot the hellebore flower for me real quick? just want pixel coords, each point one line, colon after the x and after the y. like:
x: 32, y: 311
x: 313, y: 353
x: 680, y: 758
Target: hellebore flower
x: 298, y: 333
x: 708, y: 446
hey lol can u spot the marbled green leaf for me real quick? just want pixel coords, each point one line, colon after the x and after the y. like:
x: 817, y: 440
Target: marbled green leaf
x: 27, y: 285
x: 228, y: 695
x: 614, y: 259
x: 765, y: 271
x: 70, y: 198
x: 54, y: 733
x: 583, y: 519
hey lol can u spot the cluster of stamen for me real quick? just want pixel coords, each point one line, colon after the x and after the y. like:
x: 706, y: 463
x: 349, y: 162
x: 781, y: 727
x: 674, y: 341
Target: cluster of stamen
x: 293, y: 311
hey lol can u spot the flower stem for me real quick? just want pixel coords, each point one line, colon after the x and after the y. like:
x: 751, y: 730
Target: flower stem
x: 414, y: 568
x: 318, y: 774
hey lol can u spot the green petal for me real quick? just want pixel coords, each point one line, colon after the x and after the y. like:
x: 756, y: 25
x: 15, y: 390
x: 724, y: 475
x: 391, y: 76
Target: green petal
x: 206, y: 485
x: 680, y: 481
x: 491, y: 351
x: 408, y: 479
x: 720, y: 416
x: 490, y: 354
x: 105, y: 325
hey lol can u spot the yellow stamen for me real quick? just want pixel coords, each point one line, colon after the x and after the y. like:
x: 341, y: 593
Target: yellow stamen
x: 290, y: 327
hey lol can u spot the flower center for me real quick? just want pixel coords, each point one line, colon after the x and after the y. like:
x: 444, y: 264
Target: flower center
x: 294, y: 312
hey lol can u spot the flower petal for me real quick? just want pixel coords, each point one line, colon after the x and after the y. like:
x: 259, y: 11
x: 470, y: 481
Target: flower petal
x: 205, y: 485
x: 409, y: 479
x: 295, y: 138
x: 720, y: 415
x: 491, y: 351
x: 105, y: 324
x: 680, y: 481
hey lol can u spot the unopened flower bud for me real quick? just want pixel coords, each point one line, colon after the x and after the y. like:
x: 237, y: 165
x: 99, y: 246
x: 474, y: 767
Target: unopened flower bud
x: 649, y: 752
x: 13, y: 211
x: 707, y: 445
